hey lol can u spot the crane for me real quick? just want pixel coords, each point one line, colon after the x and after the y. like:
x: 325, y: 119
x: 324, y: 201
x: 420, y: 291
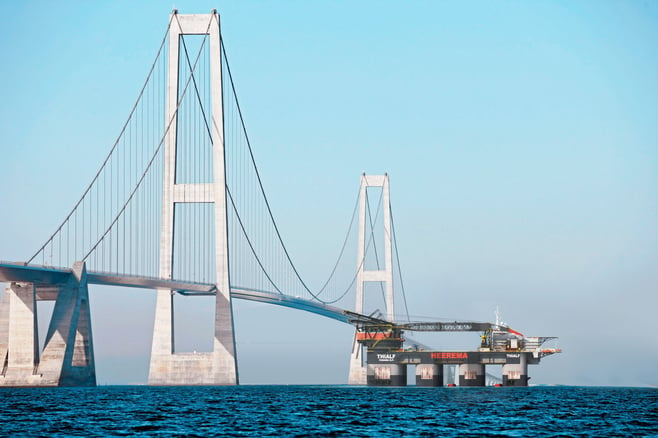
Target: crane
x: 380, y: 334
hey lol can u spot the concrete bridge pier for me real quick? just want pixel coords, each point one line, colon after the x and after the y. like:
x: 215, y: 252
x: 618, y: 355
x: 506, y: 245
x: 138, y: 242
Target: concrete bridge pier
x: 68, y: 354
x: 516, y: 374
x: 429, y: 374
x: 472, y: 374
x: 19, y: 352
x: 358, y: 371
x: 168, y: 367
x: 387, y: 375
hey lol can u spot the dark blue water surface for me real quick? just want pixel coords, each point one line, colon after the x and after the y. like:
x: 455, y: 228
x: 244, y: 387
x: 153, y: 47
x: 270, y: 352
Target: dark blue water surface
x: 329, y: 411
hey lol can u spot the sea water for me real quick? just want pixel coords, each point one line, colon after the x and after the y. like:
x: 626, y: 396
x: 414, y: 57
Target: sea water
x: 328, y: 411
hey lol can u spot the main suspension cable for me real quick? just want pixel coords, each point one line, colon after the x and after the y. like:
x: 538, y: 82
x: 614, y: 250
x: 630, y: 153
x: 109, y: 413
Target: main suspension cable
x: 363, y: 259
x: 116, y: 143
x: 397, y: 258
x: 347, y: 236
x: 155, y: 154
x: 260, y: 183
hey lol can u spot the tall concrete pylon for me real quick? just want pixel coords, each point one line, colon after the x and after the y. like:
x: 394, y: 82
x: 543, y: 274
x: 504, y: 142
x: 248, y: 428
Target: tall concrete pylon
x: 218, y: 367
x: 358, y: 369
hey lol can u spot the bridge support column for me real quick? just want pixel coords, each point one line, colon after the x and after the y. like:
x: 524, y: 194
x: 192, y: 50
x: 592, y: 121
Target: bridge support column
x: 19, y: 344
x: 68, y: 354
x: 4, y: 332
x: 387, y: 375
x: 167, y: 367
x: 429, y: 374
x: 358, y: 371
x: 170, y: 368
x: 516, y: 374
x: 471, y: 374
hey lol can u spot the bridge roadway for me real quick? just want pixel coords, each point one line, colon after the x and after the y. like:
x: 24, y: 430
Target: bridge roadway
x: 47, y: 279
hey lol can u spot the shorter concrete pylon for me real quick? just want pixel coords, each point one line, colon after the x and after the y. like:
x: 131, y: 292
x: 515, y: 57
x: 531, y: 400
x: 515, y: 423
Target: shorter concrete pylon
x: 68, y: 354
x: 358, y: 373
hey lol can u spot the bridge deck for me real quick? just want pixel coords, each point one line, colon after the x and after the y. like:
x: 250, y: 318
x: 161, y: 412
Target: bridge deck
x: 47, y: 277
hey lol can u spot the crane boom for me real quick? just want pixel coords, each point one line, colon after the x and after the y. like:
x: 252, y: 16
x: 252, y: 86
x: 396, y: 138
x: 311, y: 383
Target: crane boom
x: 456, y: 326
x: 431, y: 326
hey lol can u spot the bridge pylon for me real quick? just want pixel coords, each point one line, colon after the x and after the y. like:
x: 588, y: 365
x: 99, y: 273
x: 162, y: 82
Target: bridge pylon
x: 219, y: 367
x: 358, y: 369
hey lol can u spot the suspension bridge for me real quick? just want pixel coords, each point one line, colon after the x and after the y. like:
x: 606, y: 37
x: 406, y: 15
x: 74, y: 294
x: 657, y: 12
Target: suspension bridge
x: 178, y: 206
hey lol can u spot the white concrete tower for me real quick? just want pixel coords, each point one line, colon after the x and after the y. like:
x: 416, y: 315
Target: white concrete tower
x: 218, y: 367
x: 358, y: 370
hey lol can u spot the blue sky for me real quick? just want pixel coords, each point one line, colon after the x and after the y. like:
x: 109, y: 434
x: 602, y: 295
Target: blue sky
x: 521, y: 139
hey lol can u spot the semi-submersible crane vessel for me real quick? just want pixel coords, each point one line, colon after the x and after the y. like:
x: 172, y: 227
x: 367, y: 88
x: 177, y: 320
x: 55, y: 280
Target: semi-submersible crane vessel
x: 387, y: 358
